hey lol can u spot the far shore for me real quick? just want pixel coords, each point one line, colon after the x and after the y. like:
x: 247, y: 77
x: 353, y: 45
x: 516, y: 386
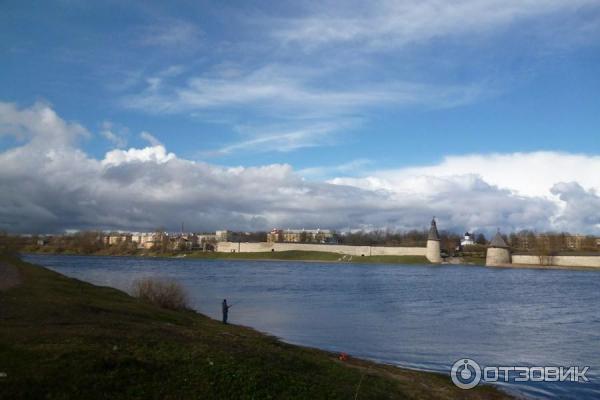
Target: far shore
x: 549, y: 267
x: 318, y: 256
x: 292, y: 255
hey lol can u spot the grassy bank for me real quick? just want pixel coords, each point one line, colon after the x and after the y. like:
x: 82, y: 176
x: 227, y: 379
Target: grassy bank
x: 474, y: 260
x: 63, y: 338
x: 290, y: 255
x: 299, y: 255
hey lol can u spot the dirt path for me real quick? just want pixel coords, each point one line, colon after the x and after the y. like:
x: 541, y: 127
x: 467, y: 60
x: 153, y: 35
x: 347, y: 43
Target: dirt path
x: 9, y: 276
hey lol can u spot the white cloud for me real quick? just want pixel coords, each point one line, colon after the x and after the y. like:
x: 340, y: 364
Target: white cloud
x: 39, y: 123
x: 264, y: 77
x: 313, y: 112
x: 388, y: 24
x: 581, y: 207
x: 282, y: 139
x: 526, y: 174
x: 562, y: 182
x: 147, y: 136
x: 155, y: 154
x: 108, y: 132
x: 58, y: 186
x: 353, y: 167
x: 276, y: 88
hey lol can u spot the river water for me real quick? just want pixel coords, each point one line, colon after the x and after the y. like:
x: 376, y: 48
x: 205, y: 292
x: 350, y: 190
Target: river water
x: 416, y: 316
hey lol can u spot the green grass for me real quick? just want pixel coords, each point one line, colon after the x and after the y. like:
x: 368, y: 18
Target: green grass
x: 392, y: 259
x: 301, y: 255
x: 61, y: 338
x: 476, y: 260
x: 270, y: 255
x: 289, y: 255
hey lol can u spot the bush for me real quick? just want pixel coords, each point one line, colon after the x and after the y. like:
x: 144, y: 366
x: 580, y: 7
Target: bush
x: 164, y: 293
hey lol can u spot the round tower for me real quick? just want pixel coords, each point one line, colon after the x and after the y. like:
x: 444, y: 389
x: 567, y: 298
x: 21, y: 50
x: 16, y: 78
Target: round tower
x: 498, y: 252
x: 433, y: 244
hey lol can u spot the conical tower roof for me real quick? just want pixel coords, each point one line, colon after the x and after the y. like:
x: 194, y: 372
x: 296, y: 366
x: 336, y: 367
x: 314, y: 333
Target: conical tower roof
x: 498, y: 241
x: 433, y: 232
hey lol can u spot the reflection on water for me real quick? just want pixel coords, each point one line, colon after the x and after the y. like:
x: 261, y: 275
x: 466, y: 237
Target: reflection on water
x: 422, y: 317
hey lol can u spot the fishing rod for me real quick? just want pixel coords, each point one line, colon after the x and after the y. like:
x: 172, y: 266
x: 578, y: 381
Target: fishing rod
x: 233, y: 304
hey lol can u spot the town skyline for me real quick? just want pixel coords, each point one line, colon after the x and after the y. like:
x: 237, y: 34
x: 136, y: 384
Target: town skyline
x: 522, y: 240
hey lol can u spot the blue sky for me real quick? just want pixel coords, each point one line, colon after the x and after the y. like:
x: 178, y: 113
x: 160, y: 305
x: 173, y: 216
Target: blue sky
x: 332, y: 90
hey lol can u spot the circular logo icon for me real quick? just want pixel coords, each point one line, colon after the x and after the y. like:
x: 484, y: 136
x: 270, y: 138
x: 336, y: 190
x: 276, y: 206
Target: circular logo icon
x: 465, y: 373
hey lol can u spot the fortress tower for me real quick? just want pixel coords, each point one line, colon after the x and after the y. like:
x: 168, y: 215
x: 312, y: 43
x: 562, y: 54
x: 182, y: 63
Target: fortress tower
x: 433, y: 244
x: 498, y: 252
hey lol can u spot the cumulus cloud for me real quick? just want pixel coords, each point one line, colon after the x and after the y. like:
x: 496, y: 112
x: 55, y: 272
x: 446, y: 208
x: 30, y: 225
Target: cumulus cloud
x: 38, y: 123
x: 581, y: 207
x: 526, y: 174
x: 538, y: 190
x: 156, y: 154
x: 58, y: 187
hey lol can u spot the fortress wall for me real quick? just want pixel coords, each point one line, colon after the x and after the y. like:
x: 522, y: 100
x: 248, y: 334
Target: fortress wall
x: 226, y: 247
x: 561, y: 261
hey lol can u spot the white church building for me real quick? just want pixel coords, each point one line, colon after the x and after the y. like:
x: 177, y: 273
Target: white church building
x: 467, y: 240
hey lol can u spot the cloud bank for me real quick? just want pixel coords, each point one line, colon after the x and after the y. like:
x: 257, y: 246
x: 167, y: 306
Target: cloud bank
x: 49, y: 184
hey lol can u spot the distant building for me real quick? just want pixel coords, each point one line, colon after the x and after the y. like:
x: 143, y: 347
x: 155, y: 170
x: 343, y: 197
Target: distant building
x: 43, y: 241
x: 223, y: 236
x: 574, y: 241
x: 275, y: 236
x: 300, y: 236
x: 116, y: 238
x: 467, y: 240
x: 206, y: 238
x: 185, y: 242
x: 143, y: 240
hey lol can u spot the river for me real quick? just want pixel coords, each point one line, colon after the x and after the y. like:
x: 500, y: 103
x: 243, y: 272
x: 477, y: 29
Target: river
x: 416, y: 316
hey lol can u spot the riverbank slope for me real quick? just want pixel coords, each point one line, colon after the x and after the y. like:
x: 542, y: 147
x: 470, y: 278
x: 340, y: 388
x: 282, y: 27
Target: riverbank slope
x: 300, y: 255
x: 63, y: 338
x: 290, y: 255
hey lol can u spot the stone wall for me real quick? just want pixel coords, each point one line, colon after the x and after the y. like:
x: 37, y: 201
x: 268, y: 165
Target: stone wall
x: 561, y: 261
x: 227, y: 247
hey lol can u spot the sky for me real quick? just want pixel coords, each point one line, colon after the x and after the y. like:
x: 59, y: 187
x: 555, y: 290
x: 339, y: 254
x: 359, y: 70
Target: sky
x: 299, y: 114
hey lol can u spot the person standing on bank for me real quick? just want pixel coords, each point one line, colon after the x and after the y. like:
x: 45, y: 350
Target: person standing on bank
x: 225, y: 310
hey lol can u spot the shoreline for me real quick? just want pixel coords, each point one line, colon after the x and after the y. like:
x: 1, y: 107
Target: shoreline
x: 334, y: 258
x: 187, y: 347
x: 292, y: 255
x: 546, y: 267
